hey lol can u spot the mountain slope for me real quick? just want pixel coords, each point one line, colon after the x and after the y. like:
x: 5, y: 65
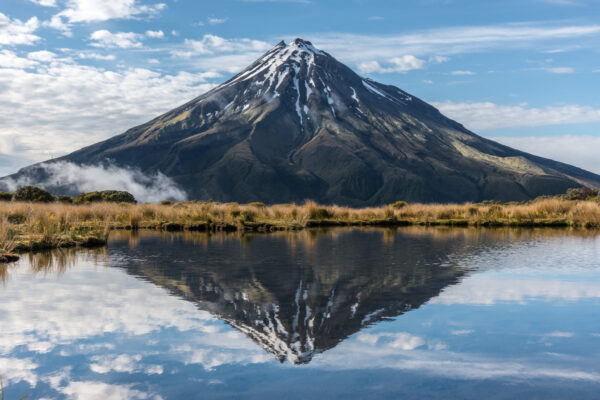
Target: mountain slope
x: 298, y: 124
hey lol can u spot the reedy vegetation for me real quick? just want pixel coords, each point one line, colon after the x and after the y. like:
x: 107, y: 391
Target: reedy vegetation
x: 29, y: 226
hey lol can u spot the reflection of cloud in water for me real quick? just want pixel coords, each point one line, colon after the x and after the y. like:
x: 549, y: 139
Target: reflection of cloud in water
x: 494, y: 288
x: 91, y: 390
x: 77, y: 306
x: 18, y: 369
x: 357, y: 353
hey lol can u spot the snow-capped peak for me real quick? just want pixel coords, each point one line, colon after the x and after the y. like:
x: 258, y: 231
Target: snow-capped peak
x: 292, y: 56
x: 305, y: 45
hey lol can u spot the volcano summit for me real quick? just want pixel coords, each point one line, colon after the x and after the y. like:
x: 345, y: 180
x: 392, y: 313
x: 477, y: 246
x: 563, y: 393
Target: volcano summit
x: 297, y: 124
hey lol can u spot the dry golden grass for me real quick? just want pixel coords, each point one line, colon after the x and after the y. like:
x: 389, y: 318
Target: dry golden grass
x: 28, y: 226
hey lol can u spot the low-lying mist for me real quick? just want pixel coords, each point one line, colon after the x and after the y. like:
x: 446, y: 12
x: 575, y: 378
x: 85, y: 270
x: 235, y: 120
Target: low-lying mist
x: 66, y: 177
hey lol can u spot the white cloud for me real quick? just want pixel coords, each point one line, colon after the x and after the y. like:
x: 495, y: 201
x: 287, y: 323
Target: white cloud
x: 579, y: 150
x: 460, y: 72
x: 42, y: 55
x: 488, y: 115
x: 96, y: 56
x: 215, y: 21
x: 83, y: 11
x: 396, y: 64
x: 155, y: 34
x: 37, y: 105
x: 154, y: 370
x: 212, y: 44
x: 559, y: 70
x: 57, y: 23
x: 9, y: 59
x: 15, y: 32
x: 45, y: 3
x: 104, y: 38
x: 96, y: 11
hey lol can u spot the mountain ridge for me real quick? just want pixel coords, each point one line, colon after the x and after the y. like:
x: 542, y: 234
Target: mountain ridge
x: 297, y: 124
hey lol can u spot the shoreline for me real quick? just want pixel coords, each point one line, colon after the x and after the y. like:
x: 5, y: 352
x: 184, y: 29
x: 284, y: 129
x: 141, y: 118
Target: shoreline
x: 40, y: 226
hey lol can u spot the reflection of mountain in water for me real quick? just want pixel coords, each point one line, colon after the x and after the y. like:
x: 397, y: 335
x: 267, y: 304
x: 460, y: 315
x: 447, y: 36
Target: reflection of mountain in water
x: 296, y: 294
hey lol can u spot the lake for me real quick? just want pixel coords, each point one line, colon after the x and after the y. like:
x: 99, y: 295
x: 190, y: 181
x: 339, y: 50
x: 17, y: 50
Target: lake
x: 411, y: 313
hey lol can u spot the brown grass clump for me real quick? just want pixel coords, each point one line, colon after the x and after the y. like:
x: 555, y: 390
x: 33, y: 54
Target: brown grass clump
x: 29, y: 226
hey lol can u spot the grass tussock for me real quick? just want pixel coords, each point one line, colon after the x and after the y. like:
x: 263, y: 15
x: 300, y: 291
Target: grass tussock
x: 32, y: 226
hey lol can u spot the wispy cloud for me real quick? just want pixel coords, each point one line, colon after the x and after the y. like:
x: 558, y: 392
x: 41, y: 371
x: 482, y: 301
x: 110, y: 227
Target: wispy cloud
x: 487, y: 115
x: 275, y: 1
x: 579, y: 150
x: 462, y: 72
x: 560, y: 334
x: 562, y: 2
x: 559, y: 70
x: 215, y: 21
x: 447, y: 41
x: 396, y: 64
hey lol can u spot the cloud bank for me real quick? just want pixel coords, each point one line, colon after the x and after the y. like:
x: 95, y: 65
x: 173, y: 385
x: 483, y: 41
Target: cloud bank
x: 87, y: 178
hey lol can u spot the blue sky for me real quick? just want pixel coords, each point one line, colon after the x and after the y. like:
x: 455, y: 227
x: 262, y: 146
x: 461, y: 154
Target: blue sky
x: 73, y: 72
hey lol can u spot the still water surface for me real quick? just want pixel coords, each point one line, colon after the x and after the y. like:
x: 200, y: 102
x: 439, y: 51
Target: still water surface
x: 324, y: 314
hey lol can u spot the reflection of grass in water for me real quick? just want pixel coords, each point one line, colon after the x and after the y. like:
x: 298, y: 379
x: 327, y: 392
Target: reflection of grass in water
x: 56, y: 262
x: 2, y: 392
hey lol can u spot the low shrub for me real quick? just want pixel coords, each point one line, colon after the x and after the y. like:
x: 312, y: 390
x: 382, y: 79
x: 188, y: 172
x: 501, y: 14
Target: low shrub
x: 319, y: 213
x: 166, y: 202
x: 32, y: 194
x: 112, y: 196
x: 6, y: 196
x: 64, y: 199
x: 400, y: 204
x: 582, y: 193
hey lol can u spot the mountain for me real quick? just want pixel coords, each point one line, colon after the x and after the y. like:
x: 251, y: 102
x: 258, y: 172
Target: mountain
x: 298, y: 124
